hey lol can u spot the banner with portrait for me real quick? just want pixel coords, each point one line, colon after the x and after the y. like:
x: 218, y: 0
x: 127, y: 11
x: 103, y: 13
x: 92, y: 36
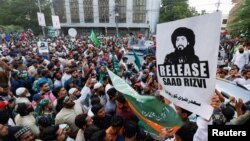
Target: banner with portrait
x: 43, y: 47
x: 187, y: 54
x: 56, y: 22
x: 41, y: 19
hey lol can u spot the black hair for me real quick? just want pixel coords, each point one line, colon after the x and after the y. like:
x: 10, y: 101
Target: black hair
x: 117, y: 121
x: 228, y: 112
x: 187, y: 131
x: 106, y: 77
x: 183, y: 31
x: 44, y: 72
x: 98, y: 136
x: 4, y: 116
x: 56, y: 91
x: 130, y: 129
x: 121, y: 99
x: 80, y: 120
x: 59, y: 104
x: 90, y: 131
x: 50, y: 66
x: 44, y: 121
x: 94, y: 99
x: 22, y: 109
x: 49, y: 133
x: 57, y: 71
x: 111, y: 92
x: 186, y: 112
x: 95, y: 108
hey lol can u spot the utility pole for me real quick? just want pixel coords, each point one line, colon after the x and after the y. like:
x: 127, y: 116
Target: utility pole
x: 105, y: 19
x: 106, y: 29
x: 39, y: 7
x: 116, y: 17
x: 52, y: 7
x: 218, y: 5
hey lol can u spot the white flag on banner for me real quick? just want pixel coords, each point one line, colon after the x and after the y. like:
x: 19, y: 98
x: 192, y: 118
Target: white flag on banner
x: 56, y: 22
x: 41, y: 19
x: 187, y: 52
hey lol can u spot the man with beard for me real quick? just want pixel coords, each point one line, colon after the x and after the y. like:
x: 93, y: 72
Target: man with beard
x: 46, y: 92
x: 74, y: 82
x: 74, y: 93
x: 241, y: 58
x: 183, y: 40
x: 53, y: 133
x: 100, y: 92
x: 68, y: 113
x: 26, y: 118
x: 24, y: 134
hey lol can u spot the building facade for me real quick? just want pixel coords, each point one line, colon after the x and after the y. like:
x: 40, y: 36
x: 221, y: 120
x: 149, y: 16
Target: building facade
x: 108, y: 16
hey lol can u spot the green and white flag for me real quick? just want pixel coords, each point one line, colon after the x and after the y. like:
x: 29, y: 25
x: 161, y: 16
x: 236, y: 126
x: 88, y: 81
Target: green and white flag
x: 94, y: 39
x: 116, y: 65
x: 137, y: 60
x: 155, y: 116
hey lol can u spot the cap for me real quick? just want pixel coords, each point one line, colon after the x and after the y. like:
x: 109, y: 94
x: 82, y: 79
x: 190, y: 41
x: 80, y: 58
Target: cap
x: 21, y: 90
x: 22, y: 131
x: 97, y: 85
x: 72, y: 90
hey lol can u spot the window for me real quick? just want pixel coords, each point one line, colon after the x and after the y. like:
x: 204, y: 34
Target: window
x: 121, y: 10
x: 88, y: 11
x: 60, y: 10
x: 103, y: 11
x: 74, y: 10
x: 139, y: 11
x: 224, y: 21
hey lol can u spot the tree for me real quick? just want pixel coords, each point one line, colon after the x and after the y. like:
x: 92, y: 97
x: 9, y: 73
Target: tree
x: 23, y: 13
x: 240, y: 25
x: 175, y: 9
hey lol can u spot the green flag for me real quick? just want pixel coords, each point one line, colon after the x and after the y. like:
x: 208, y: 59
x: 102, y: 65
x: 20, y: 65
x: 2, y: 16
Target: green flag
x: 94, y: 39
x: 156, y: 117
x: 137, y: 60
x: 101, y: 75
x: 116, y: 65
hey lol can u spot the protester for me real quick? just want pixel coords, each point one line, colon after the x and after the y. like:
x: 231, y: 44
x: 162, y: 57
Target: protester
x: 71, y: 85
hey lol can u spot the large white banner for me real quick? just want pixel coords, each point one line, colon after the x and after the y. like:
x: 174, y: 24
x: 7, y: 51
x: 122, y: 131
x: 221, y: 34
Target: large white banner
x: 56, y: 22
x: 43, y: 47
x: 187, y: 52
x: 41, y: 19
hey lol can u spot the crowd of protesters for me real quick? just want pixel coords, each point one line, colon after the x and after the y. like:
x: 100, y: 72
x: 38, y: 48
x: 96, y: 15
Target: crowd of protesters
x: 68, y: 95
x: 233, y: 60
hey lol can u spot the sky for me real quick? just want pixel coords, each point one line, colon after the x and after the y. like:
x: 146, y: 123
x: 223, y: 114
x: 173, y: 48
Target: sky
x: 210, y: 5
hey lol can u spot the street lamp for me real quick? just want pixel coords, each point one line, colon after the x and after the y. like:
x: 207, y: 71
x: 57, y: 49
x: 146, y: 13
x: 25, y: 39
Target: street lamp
x: 116, y: 22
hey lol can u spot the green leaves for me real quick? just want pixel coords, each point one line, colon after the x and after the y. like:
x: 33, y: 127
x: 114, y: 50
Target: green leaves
x: 175, y: 9
x: 241, y: 23
x: 23, y: 13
